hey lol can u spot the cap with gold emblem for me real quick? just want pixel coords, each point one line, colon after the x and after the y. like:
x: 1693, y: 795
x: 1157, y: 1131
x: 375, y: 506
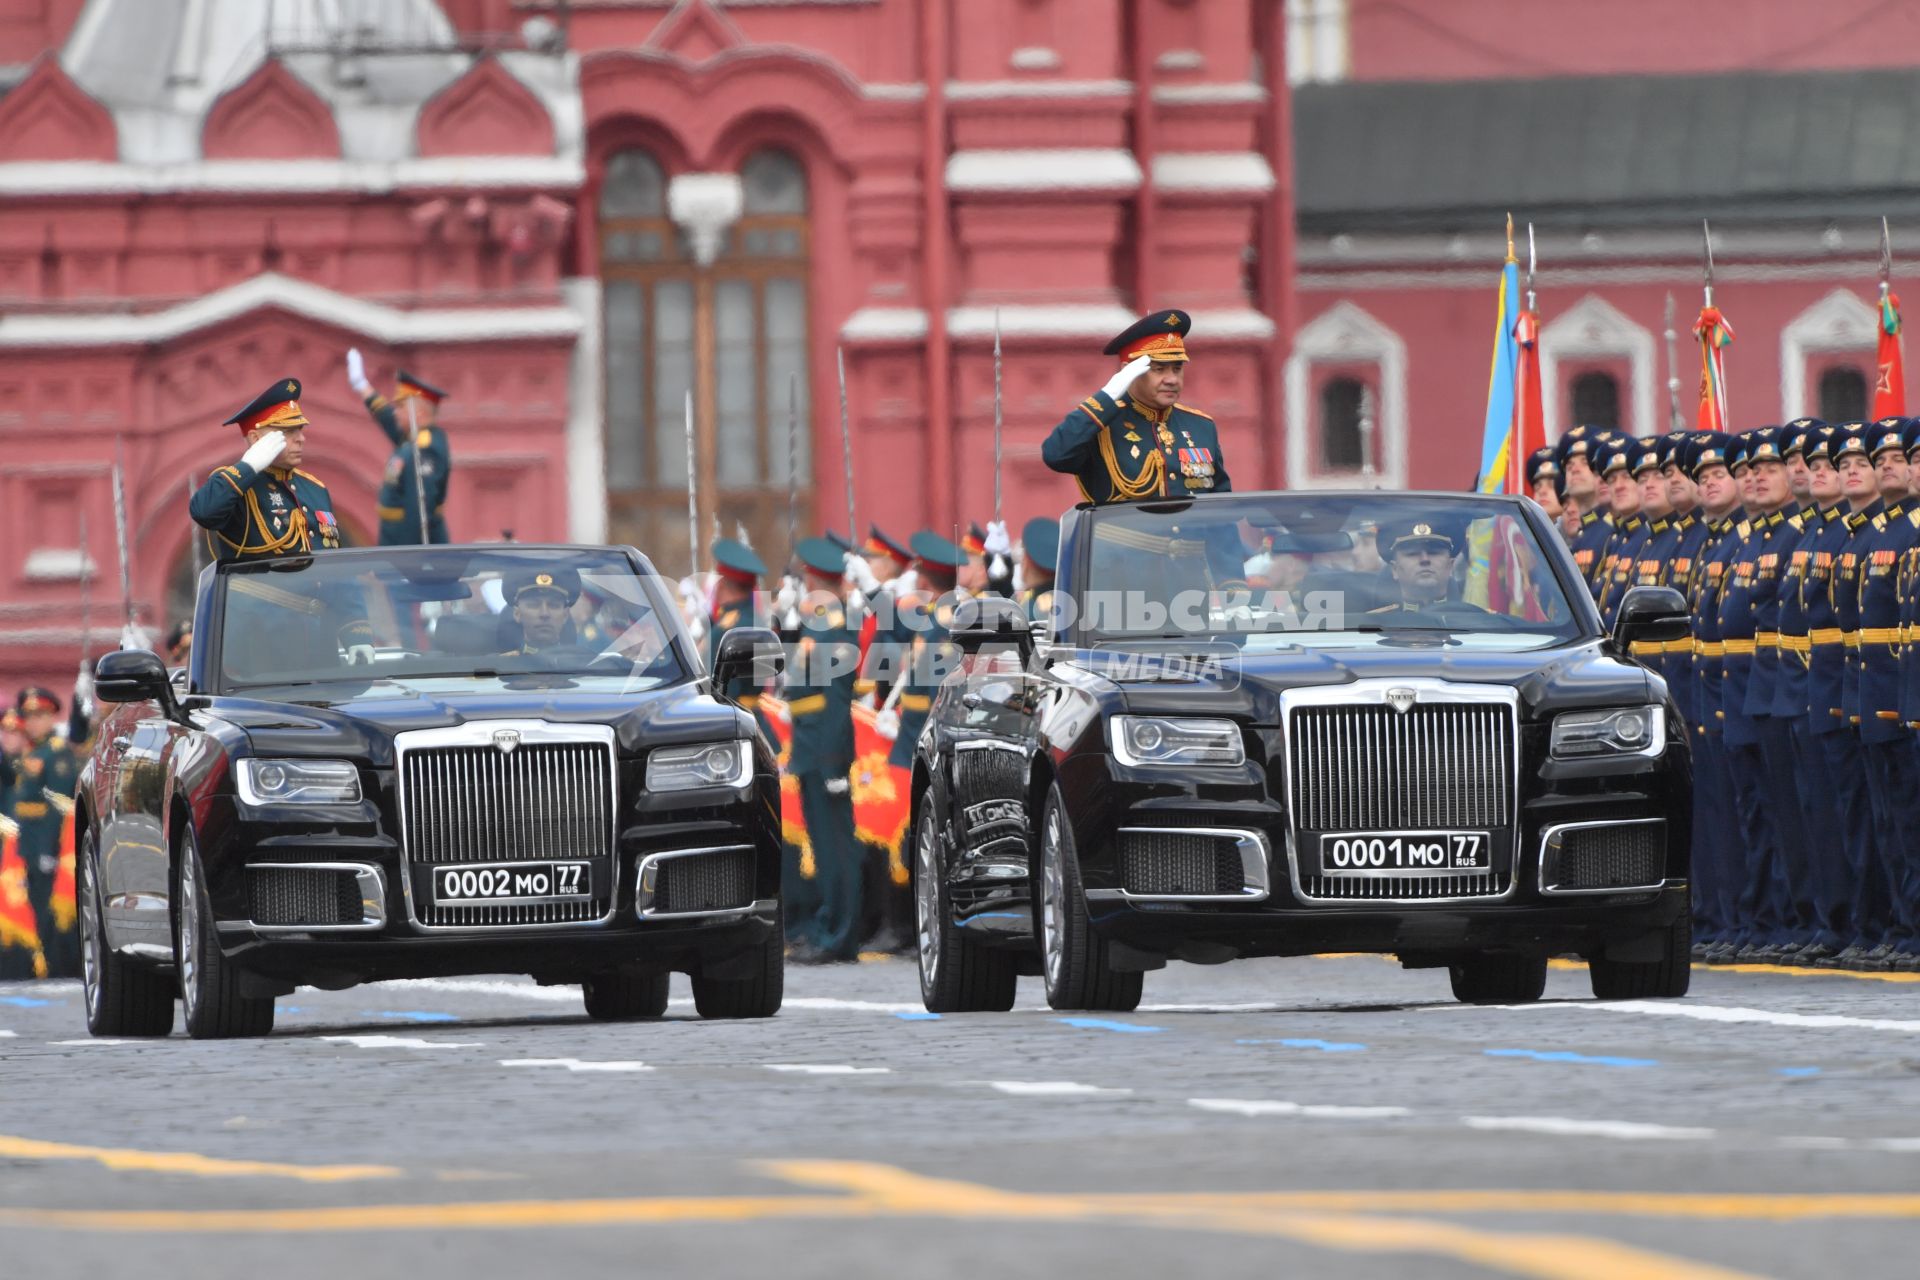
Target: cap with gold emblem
x: 563, y: 582
x: 405, y: 384
x: 278, y: 408
x: 33, y: 699
x: 1161, y: 335
x: 1421, y: 533
x: 974, y: 540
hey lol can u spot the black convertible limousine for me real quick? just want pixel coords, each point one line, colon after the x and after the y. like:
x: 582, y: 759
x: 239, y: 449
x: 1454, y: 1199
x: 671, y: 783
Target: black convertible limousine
x: 1412, y: 736
x: 422, y: 761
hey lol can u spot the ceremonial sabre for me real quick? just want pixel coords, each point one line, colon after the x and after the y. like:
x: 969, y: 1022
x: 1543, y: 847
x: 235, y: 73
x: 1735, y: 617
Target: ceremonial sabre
x: 846, y: 442
x: 1675, y: 420
x: 999, y: 562
x: 693, y: 500
x: 1706, y: 249
x: 86, y: 595
x: 793, y: 465
x: 1886, y: 259
x: 419, y: 481
x: 120, y: 536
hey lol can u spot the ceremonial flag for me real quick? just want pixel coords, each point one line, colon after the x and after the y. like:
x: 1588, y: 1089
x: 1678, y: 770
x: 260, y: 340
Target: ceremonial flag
x: 1530, y: 419
x: 1715, y: 336
x: 1496, y: 441
x: 882, y: 792
x: 1890, y: 391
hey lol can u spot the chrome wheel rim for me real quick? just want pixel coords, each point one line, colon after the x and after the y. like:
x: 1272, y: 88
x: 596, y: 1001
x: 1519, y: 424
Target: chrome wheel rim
x: 91, y: 960
x: 1053, y: 892
x: 926, y: 900
x: 189, y: 926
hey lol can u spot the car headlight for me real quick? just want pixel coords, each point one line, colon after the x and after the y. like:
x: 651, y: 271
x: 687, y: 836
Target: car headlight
x: 1629, y: 731
x: 710, y: 764
x: 299, y: 782
x: 1139, y: 740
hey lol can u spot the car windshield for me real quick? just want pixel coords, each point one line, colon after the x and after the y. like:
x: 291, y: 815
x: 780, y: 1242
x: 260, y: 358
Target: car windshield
x: 419, y: 613
x: 1319, y: 570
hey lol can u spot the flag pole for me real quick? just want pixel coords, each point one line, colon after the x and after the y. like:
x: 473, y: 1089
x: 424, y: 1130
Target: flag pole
x: 1676, y: 421
x: 1890, y: 381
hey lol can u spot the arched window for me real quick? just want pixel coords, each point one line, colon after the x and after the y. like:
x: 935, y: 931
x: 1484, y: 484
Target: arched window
x: 1596, y: 399
x: 1341, y: 445
x: 646, y: 382
x: 760, y: 322
x: 1843, y: 394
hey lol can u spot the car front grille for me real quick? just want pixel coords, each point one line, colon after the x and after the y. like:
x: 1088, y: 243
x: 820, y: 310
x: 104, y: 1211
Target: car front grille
x: 1436, y: 766
x: 479, y: 804
x: 1179, y: 863
x: 1595, y: 859
x: 302, y: 896
x: 717, y: 881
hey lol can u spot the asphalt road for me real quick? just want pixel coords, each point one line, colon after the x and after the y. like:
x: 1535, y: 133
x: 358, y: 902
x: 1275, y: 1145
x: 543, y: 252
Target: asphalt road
x: 1320, y: 1117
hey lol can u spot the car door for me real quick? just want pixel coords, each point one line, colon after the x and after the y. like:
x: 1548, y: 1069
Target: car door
x: 135, y: 870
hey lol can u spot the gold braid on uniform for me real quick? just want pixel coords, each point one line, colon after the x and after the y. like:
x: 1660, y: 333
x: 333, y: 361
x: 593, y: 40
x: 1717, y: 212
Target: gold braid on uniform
x: 294, y: 537
x: 1153, y: 473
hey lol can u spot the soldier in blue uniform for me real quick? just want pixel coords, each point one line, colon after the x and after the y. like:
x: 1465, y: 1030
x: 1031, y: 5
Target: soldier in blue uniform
x: 1715, y: 849
x: 1133, y: 438
x: 1620, y: 463
x: 264, y: 505
x: 820, y: 700
x: 1886, y: 743
x: 45, y: 775
x: 411, y: 419
x: 1543, y: 480
x: 1040, y: 556
x: 1586, y: 501
x: 925, y: 616
x: 1653, y: 564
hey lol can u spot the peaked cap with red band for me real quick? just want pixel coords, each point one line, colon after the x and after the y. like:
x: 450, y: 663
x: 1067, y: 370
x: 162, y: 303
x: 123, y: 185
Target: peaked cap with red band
x: 277, y: 407
x: 405, y: 384
x: 1161, y: 335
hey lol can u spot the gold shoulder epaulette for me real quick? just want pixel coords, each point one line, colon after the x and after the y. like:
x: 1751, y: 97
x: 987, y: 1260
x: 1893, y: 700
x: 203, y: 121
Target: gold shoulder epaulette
x: 1880, y: 521
x: 1913, y: 517
x: 1798, y: 521
x: 308, y: 475
x: 1195, y: 412
x: 1744, y: 528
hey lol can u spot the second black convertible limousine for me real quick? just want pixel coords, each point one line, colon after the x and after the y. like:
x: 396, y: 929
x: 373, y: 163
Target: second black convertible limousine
x: 420, y: 761
x: 1410, y: 736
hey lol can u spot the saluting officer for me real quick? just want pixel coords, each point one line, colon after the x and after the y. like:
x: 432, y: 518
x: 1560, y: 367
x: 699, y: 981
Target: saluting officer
x: 1585, y: 501
x: 820, y: 700
x: 946, y: 574
x: 1892, y: 778
x: 738, y: 570
x: 1039, y: 557
x: 1133, y: 438
x: 399, y: 495
x: 264, y: 505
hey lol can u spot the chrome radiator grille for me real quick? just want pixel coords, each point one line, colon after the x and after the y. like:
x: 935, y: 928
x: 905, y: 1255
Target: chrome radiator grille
x: 1436, y: 766
x: 478, y: 804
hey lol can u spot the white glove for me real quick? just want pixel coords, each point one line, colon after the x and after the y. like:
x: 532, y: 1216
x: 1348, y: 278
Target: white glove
x: 887, y: 724
x: 787, y: 599
x: 357, y: 371
x: 261, y: 453
x: 904, y: 584
x: 860, y: 573
x: 998, y: 543
x: 856, y: 600
x: 1119, y: 382
x: 131, y: 637
x: 359, y: 655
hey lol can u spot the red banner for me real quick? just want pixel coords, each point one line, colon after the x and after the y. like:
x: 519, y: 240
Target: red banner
x: 1890, y: 390
x: 1529, y: 412
x: 881, y: 802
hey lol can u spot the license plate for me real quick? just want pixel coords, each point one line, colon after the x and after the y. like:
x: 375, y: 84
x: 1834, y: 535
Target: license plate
x: 512, y: 883
x: 1369, y: 853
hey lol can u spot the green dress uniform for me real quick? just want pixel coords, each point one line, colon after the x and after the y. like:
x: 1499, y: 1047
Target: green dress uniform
x: 45, y: 777
x: 1119, y: 450
x: 820, y: 701
x: 738, y: 563
x: 1040, y: 544
x: 399, y: 508
x: 924, y: 619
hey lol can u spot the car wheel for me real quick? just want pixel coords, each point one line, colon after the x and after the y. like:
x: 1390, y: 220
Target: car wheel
x: 1664, y: 979
x: 957, y: 973
x: 1499, y: 978
x: 209, y: 982
x: 1073, y: 958
x: 757, y: 996
x: 624, y: 997
x: 123, y: 998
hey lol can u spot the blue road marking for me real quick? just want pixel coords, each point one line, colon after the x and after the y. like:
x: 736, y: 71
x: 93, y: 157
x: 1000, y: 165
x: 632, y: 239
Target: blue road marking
x: 409, y: 1015
x: 1561, y: 1055
x: 1101, y: 1024
x: 1797, y: 1072
x: 918, y: 1017
x: 1324, y: 1046
x: 26, y: 1002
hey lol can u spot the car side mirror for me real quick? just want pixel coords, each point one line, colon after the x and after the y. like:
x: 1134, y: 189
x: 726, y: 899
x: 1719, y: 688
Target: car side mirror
x: 752, y: 653
x: 1655, y: 614
x: 132, y: 675
x: 985, y: 620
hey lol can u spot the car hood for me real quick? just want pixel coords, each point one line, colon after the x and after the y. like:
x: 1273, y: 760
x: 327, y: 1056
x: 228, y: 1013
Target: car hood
x: 361, y: 721
x: 1248, y: 686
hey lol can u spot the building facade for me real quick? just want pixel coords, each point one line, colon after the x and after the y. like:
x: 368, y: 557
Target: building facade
x: 636, y: 239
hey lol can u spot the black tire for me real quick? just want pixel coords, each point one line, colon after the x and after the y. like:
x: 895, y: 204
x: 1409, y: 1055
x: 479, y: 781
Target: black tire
x: 123, y: 997
x: 625, y: 997
x: 1073, y: 958
x: 957, y: 974
x: 1664, y: 979
x: 1499, y: 978
x: 209, y: 982
x: 756, y: 997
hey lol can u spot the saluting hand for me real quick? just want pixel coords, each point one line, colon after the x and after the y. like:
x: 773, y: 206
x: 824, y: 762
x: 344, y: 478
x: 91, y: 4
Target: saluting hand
x: 357, y: 372
x: 261, y: 453
x: 1132, y: 369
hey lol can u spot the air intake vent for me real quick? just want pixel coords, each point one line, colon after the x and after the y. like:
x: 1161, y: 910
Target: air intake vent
x: 296, y: 895
x: 717, y: 881
x: 1595, y: 859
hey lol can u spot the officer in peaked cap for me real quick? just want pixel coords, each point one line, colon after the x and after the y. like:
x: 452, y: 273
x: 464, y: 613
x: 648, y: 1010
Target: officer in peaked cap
x: 1620, y: 461
x: 1707, y: 457
x: 838, y: 539
x: 1653, y: 564
x: 264, y: 505
x: 540, y: 601
x: 1420, y: 553
x: 1133, y: 438
x: 738, y: 571
x: 820, y: 701
x: 412, y: 421
x: 1585, y: 499
x: 1543, y: 480
x: 925, y: 616
x: 1793, y: 445
x: 1039, y: 558
x: 882, y: 560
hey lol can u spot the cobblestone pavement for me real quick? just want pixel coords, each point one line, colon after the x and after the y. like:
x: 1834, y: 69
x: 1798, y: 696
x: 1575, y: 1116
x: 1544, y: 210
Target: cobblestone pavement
x: 1318, y: 1117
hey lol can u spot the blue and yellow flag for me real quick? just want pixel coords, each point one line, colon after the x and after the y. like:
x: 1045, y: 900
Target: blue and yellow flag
x: 1503, y: 382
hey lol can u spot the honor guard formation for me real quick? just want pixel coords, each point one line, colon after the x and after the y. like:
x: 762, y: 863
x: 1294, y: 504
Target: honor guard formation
x: 1798, y: 549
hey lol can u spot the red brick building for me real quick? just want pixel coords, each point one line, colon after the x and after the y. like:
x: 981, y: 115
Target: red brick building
x: 573, y: 215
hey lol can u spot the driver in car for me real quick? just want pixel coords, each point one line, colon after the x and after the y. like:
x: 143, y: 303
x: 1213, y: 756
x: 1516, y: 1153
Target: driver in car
x: 542, y: 601
x: 1420, y: 556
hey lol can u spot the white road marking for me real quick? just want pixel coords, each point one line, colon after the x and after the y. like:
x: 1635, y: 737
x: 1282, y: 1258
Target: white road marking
x: 5, y: 1034
x: 401, y: 1042
x: 1261, y: 1006
x: 1894, y: 1144
x: 1052, y: 1089
x: 827, y: 1069
x: 1315, y: 1110
x: 855, y: 1006
x: 1563, y: 1127
x: 91, y: 1040
x: 1720, y: 1013
x: 574, y: 1064
x: 471, y: 987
